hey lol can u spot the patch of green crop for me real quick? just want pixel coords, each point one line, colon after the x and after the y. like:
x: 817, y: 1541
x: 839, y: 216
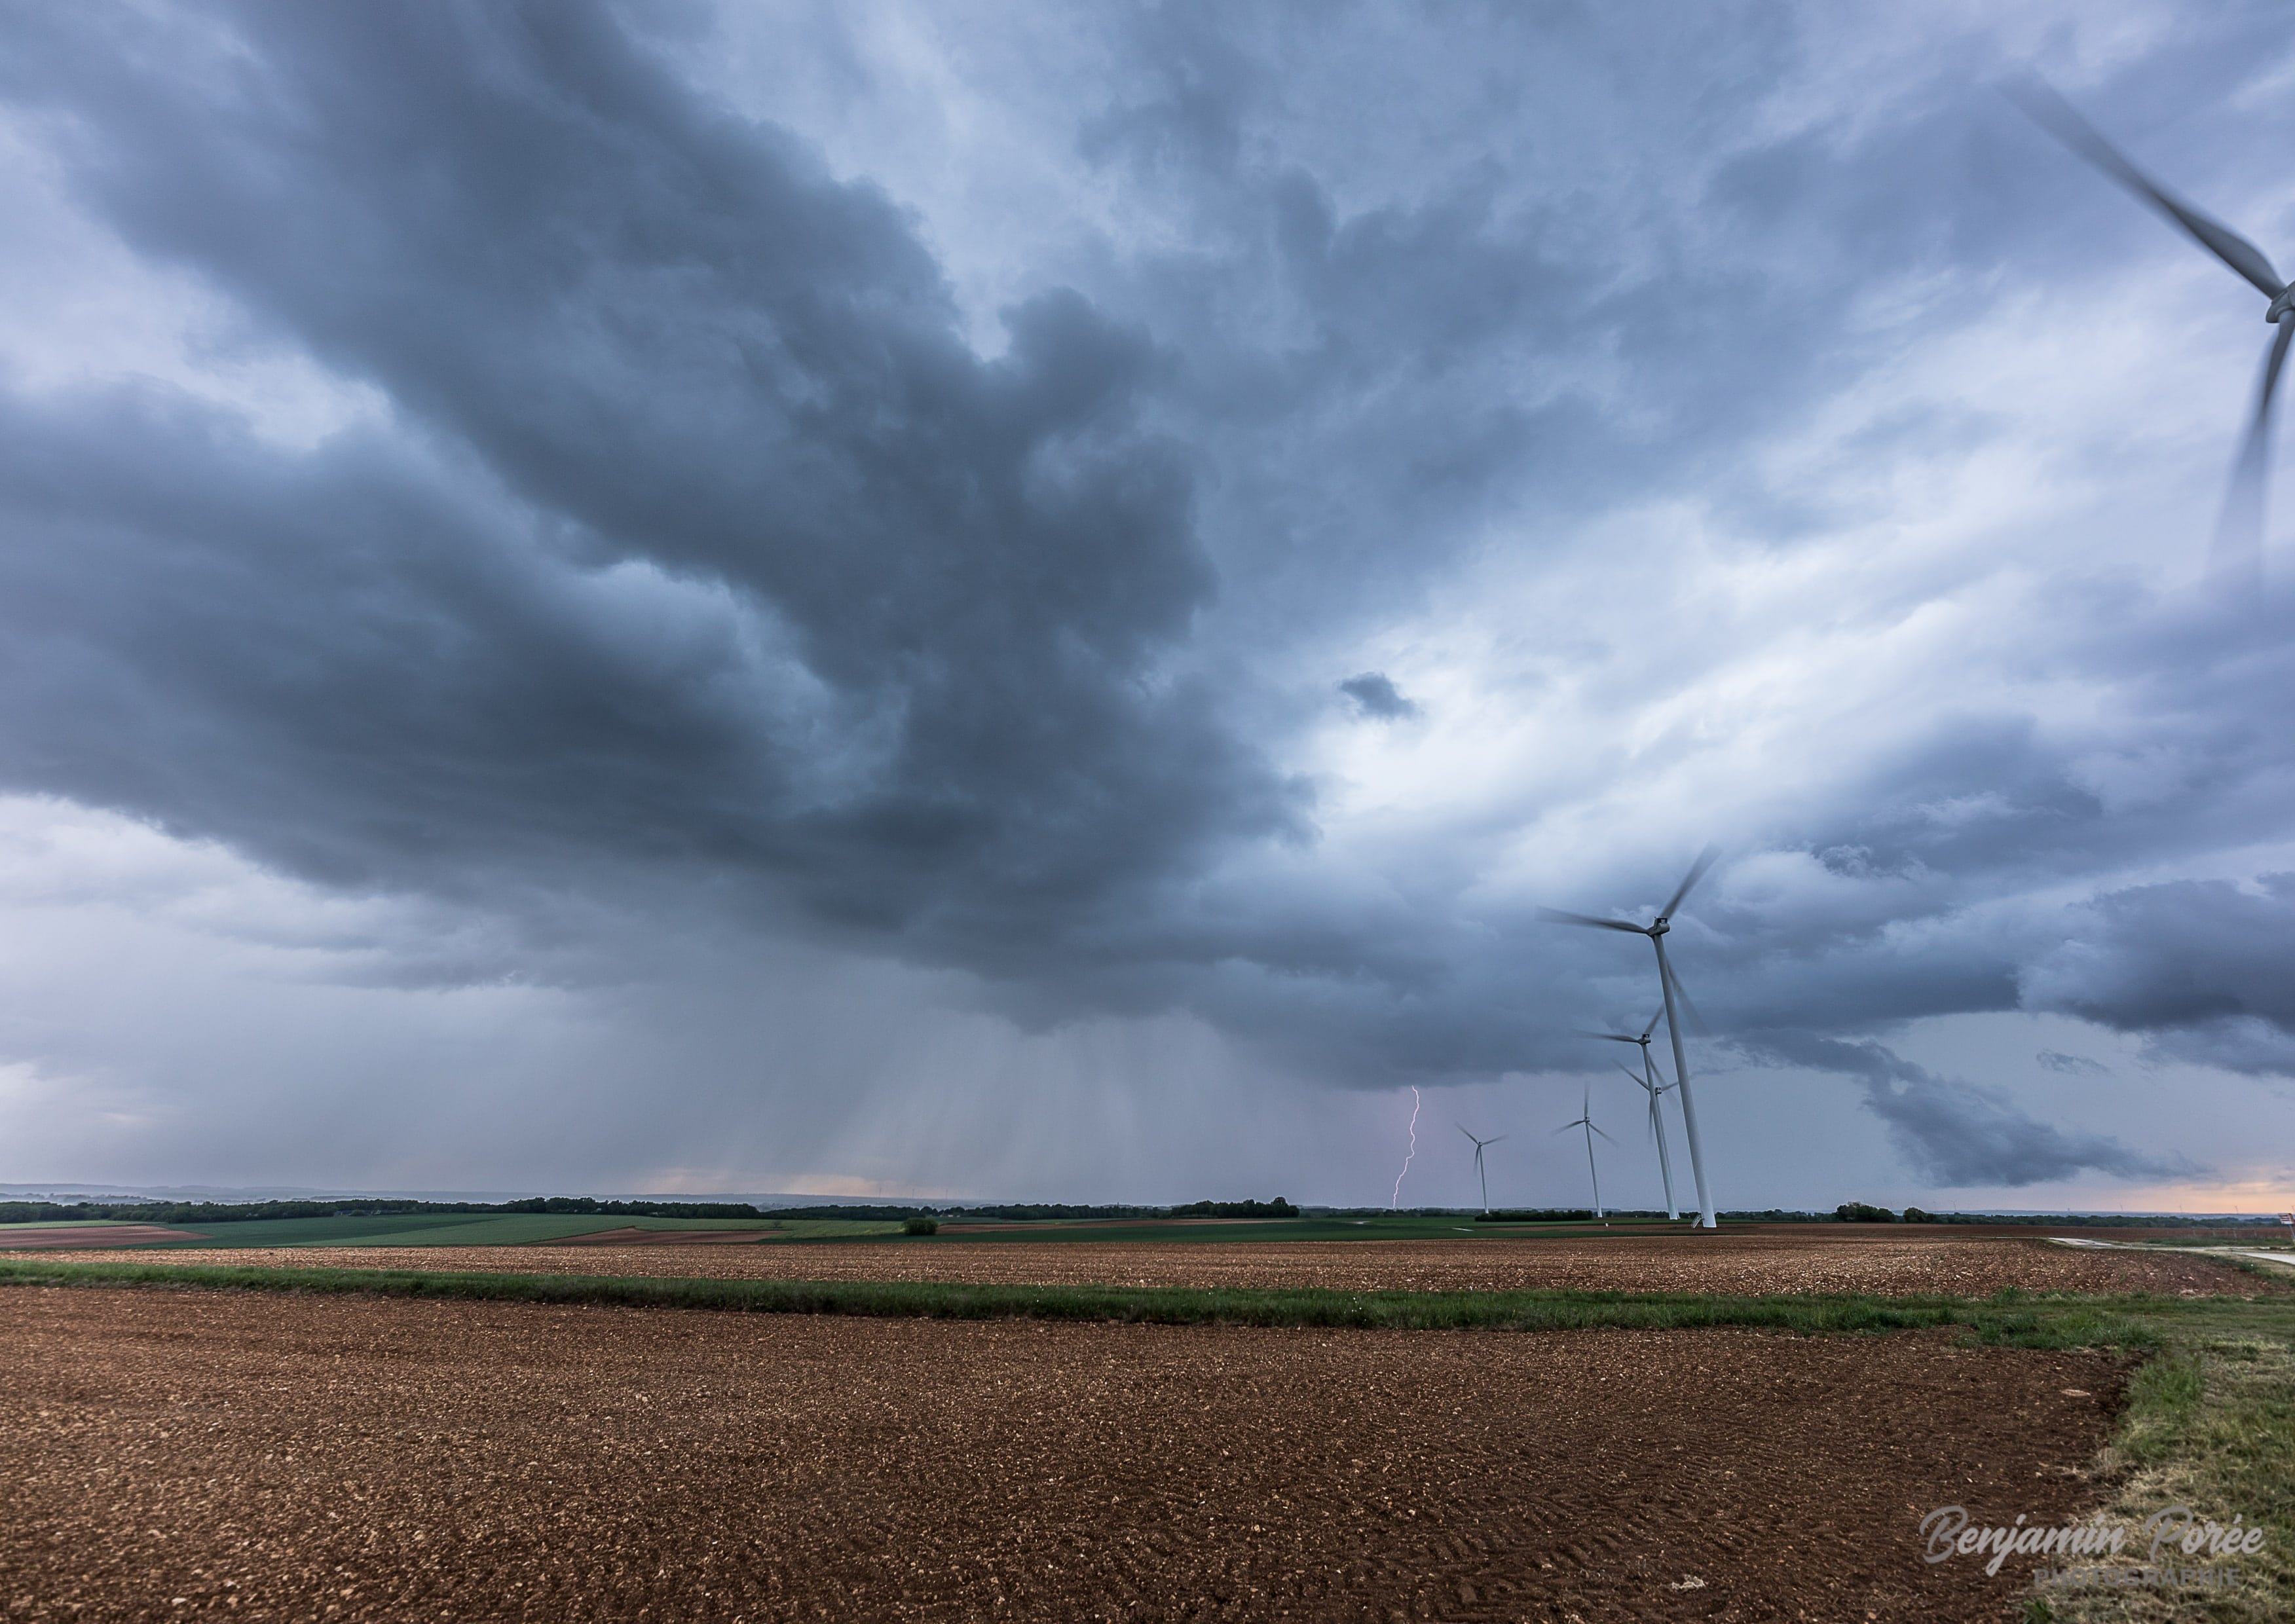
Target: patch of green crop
x: 2041, y: 1322
x: 347, y: 1231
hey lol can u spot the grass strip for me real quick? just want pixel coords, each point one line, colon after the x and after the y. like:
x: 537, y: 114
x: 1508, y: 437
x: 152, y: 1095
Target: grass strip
x: 2010, y: 1319
x: 2210, y: 1425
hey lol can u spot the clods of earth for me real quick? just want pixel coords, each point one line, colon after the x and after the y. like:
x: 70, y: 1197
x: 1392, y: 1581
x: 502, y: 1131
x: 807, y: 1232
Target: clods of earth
x: 202, y: 1455
x: 1842, y: 1260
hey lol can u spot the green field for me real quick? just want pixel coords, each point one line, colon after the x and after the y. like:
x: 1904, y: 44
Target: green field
x: 1400, y: 1227
x: 2011, y: 1318
x: 470, y: 1229
x: 532, y: 1229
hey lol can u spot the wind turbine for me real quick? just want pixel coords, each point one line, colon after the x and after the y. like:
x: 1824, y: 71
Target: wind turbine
x: 1647, y: 1080
x: 1670, y: 985
x: 2239, y: 532
x: 1479, y: 1173
x: 1585, y: 1120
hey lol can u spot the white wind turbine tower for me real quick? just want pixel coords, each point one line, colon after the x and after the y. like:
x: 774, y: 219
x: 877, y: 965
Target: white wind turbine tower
x: 1649, y: 1083
x: 1479, y: 1173
x: 1670, y: 985
x: 1585, y: 1120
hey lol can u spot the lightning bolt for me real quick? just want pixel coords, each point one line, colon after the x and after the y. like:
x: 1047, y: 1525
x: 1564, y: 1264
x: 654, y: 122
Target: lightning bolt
x: 1395, y: 1200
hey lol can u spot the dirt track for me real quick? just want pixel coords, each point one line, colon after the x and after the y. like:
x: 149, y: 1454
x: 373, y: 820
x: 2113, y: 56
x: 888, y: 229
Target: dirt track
x: 175, y: 1455
x: 1738, y: 1264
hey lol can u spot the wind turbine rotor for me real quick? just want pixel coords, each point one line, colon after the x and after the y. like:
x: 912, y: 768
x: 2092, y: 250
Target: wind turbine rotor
x: 1674, y: 1006
x: 2239, y: 528
x: 2239, y: 532
x: 1563, y: 915
x: 1682, y: 996
x: 1689, y: 881
x: 2055, y: 115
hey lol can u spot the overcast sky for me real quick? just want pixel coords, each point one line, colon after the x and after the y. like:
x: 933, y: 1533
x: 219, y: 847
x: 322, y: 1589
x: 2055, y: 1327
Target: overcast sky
x: 1028, y: 602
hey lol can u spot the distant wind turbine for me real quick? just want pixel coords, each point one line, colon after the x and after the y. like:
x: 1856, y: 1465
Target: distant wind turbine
x: 1670, y: 985
x: 1585, y: 1120
x: 1479, y: 1173
x: 2239, y: 532
x: 1647, y: 1078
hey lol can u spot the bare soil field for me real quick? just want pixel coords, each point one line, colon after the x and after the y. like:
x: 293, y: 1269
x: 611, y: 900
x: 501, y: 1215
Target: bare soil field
x: 72, y: 1238
x: 664, y: 1237
x: 1738, y: 1264
x: 246, y: 1455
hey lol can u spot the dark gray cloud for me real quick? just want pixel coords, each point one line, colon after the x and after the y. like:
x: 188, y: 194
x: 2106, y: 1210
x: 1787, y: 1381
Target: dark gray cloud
x: 1959, y: 1134
x: 670, y: 340
x: 1375, y: 695
x: 2072, y: 1066
x: 2198, y: 964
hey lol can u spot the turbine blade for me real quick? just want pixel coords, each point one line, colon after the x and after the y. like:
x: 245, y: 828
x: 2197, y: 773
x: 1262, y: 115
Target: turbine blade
x: 1563, y: 915
x: 1604, y: 1135
x: 1640, y: 1082
x: 1609, y: 1037
x: 1697, y: 872
x: 2054, y: 114
x: 1681, y: 994
x: 2239, y: 532
x: 1462, y: 1129
x: 1499, y: 1140
x: 1653, y: 1020
x: 1566, y: 1126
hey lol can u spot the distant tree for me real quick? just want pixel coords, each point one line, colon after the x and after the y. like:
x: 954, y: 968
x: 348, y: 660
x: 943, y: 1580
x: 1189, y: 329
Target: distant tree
x: 1277, y: 1208
x: 1537, y: 1215
x: 1914, y: 1215
x: 1857, y: 1212
x: 919, y: 1224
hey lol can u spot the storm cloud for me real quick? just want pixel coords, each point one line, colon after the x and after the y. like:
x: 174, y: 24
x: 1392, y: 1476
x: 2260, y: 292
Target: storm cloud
x: 1958, y: 1134
x: 704, y: 484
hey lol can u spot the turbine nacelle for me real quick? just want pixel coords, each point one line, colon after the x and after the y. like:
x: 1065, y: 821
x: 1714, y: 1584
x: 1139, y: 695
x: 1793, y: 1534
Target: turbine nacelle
x: 2281, y: 305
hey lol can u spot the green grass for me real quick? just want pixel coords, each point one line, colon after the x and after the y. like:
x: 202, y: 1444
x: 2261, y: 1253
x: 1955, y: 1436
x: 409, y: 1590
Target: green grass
x: 2209, y: 1424
x: 2011, y: 1319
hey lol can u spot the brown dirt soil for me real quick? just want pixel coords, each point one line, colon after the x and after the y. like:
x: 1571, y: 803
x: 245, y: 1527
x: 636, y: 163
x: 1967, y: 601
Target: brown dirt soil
x: 1737, y: 1264
x: 34, y: 1238
x: 196, y: 1454
x: 665, y: 1237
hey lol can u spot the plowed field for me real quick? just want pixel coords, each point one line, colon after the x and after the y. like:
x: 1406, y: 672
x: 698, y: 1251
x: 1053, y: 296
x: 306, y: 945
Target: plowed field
x: 245, y: 1456
x: 1734, y: 1264
x: 66, y: 1237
